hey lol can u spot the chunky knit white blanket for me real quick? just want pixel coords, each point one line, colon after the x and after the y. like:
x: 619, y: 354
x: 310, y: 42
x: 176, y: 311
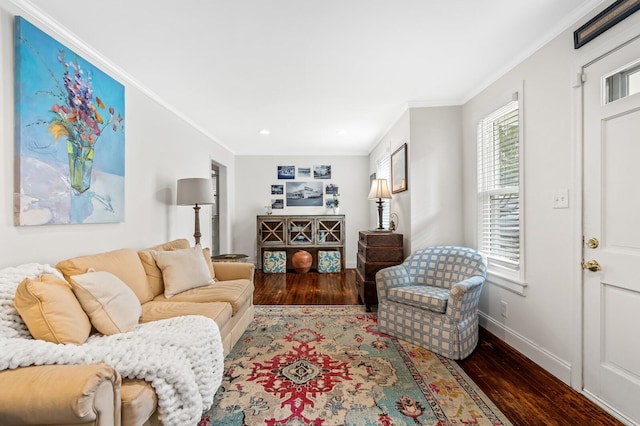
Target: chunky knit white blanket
x: 180, y: 357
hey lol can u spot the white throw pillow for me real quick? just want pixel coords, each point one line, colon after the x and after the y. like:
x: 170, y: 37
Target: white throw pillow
x: 110, y: 304
x: 182, y: 270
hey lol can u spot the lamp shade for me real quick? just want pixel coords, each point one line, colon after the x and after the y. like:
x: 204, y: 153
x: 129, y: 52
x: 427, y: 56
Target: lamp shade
x: 379, y: 189
x: 195, y: 191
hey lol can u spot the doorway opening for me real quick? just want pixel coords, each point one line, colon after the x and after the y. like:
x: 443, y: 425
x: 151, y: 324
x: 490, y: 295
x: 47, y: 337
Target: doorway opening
x: 215, y: 211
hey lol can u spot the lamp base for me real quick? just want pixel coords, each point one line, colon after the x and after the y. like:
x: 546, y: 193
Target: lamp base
x: 197, y: 234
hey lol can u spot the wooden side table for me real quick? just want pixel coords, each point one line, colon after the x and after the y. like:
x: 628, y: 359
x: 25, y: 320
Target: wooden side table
x: 231, y: 257
x: 376, y: 250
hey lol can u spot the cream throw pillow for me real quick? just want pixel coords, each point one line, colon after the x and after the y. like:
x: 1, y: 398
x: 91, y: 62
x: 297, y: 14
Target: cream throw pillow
x: 183, y: 270
x: 111, y: 305
x: 51, y: 311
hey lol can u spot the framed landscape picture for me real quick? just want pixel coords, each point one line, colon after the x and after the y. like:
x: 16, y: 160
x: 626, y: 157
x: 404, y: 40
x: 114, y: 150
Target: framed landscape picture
x: 304, y: 172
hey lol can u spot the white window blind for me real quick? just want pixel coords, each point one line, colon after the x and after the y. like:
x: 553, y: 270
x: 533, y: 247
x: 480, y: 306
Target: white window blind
x: 383, y: 171
x: 499, y: 186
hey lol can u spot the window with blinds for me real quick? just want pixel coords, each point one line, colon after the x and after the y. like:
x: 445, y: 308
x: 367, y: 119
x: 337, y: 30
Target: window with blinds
x: 499, y: 205
x: 383, y: 171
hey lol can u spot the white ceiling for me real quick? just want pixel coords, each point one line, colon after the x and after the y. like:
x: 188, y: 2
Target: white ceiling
x: 324, y: 76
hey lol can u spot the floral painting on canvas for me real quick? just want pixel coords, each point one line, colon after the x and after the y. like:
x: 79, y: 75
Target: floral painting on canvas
x: 69, y: 135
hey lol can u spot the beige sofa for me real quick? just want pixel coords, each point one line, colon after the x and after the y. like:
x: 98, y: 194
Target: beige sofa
x: 96, y: 394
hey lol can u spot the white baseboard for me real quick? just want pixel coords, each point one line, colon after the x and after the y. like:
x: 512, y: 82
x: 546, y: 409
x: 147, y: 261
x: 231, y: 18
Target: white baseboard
x: 545, y: 359
x: 609, y: 409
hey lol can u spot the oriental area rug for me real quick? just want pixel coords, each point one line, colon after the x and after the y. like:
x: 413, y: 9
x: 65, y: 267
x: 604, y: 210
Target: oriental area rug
x: 328, y: 365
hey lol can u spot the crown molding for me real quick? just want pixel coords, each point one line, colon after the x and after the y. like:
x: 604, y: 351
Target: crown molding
x: 61, y: 33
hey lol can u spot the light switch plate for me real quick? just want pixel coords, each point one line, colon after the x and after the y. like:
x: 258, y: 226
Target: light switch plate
x: 561, y: 199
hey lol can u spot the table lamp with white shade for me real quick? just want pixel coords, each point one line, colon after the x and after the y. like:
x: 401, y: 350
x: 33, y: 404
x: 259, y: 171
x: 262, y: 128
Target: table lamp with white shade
x: 379, y: 191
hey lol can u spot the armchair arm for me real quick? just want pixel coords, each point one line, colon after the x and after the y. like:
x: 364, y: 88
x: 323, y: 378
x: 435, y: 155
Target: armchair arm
x: 464, y: 298
x: 60, y: 394
x: 226, y: 271
x: 393, y: 276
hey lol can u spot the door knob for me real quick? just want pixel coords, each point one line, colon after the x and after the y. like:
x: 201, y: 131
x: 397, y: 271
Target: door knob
x: 592, y: 265
x: 593, y: 243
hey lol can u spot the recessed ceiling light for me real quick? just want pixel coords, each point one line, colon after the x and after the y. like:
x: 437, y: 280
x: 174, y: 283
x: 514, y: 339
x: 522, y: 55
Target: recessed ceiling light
x: 265, y: 132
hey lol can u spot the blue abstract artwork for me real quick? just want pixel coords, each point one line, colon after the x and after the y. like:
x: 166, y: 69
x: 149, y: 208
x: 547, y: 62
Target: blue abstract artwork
x: 69, y: 135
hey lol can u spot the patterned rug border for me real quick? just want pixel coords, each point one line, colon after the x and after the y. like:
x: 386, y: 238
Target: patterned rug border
x: 484, y: 402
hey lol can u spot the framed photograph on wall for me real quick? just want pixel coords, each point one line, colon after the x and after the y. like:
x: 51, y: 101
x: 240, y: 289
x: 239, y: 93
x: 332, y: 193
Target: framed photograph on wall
x: 399, y: 169
x: 322, y: 172
x: 304, y: 172
x: 277, y: 189
x: 305, y: 194
x: 286, y: 172
x: 331, y: 189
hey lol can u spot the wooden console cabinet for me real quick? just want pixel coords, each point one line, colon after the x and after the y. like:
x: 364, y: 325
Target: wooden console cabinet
x: 376, y: 250
x: 301, y: 232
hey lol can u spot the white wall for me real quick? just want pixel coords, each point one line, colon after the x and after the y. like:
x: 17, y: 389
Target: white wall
x: 256, y: 174
x: 159, y: 149
x: 398, y: 134
x: 544, y: 324
x: 430, y: 211
x: 543, y: 317
x: 435, y: 181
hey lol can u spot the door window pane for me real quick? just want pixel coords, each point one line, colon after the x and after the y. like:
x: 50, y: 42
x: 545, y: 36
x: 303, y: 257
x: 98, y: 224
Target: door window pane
x: 622, y: 84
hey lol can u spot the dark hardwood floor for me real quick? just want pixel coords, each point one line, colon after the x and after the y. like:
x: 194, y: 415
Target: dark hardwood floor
x: 523, y: 391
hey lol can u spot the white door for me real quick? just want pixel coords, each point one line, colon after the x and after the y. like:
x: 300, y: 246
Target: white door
x: 611, y: 218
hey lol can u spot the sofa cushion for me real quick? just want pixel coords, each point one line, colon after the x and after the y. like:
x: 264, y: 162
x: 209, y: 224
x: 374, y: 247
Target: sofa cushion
x: 124, y: 264
x: 220, y: 312
x: 206, y: 252
x: 182, y: 270
x: 421, y: 296
x: 51, y: 311
x: 234, y: 292
x: 139, y: 401
x: 154, y: 274
x: 111, y: 305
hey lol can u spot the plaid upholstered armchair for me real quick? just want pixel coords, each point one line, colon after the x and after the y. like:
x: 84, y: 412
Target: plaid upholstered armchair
x: 431, y: 299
